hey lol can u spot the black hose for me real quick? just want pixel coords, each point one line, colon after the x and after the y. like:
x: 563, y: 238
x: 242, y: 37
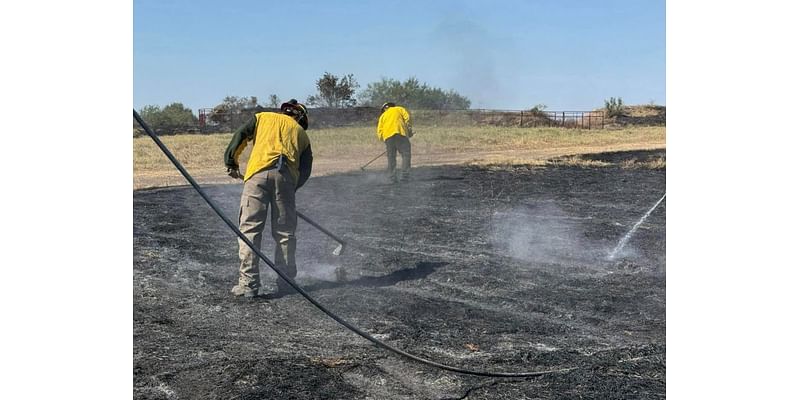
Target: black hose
x: 300, y: 290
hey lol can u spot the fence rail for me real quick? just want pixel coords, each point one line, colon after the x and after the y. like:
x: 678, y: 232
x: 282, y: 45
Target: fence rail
x: 331, y: 117
x: 210, y: 120
x: 527, y: 118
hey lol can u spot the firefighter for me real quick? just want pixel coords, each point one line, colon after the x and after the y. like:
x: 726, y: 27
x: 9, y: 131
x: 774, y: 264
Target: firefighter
x: 394, y: 129
x: 279, y: 164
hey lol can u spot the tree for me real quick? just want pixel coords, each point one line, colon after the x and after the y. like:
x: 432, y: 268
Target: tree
x: 538, y: 110
x: 334, y: 91
x: 412, y: 94
x: 273, y: 101
x: 172, y: 116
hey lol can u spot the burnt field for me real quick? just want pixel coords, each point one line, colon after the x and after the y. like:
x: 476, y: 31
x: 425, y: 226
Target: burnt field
x: 488, y: 268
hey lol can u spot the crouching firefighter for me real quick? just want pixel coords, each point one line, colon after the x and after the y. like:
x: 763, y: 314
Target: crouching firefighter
x: 279, y: 164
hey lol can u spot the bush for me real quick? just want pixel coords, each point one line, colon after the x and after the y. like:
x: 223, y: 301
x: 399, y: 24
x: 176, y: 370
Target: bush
x: 170, y: 117
x: 412, y: 94
x: 614, y: 107
x: 538, y: 110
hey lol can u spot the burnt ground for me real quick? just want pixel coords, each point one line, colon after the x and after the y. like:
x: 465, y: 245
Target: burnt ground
x: 497, y: 268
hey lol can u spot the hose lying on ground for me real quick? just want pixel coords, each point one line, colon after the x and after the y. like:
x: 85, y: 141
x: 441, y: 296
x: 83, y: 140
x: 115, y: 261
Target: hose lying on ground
x: 308, y: 297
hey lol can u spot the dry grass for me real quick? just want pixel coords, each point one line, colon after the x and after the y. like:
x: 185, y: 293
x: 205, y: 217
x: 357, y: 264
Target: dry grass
x: 486, y: 138
x: 330, y: 362
x: 659, y: 163
x: 342, y: 149
x: 578, y: 161
x: 193, y: 151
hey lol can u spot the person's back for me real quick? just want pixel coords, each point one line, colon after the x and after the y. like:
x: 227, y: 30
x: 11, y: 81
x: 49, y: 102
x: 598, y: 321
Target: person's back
x: 277, y: 134
x: 394, y: 121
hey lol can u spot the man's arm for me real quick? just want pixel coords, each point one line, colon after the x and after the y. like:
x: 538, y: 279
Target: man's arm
x: 244, y: 134
x: 380, y: 125
x: 407, y: 121
x: 306, y: 160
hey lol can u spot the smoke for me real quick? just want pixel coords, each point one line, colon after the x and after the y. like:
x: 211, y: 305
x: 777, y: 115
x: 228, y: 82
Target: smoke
x: 542, y: 233
x: 476, y: 59
x: 375, y: 177
x: 306, y: 273
x: 322, y: 272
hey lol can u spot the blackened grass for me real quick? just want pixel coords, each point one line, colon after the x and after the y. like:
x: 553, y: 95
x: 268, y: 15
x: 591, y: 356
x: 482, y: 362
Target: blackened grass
x: 313, y: 301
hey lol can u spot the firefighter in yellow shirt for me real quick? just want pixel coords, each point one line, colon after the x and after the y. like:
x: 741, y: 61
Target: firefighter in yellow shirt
x: 394, y: 129
x: 279, y: 164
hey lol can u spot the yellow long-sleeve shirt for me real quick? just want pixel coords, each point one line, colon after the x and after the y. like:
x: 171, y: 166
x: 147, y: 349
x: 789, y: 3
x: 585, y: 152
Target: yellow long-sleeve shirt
x: 394, y: 121
x: 272, y: 135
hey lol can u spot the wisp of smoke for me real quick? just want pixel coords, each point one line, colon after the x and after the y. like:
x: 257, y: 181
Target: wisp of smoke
x: 323, y: 272
x: 374, y: 177
x: 541, y: 233
x: 305, y: 272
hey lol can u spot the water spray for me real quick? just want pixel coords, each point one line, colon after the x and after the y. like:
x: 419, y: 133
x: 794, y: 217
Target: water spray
x: 628, y: 235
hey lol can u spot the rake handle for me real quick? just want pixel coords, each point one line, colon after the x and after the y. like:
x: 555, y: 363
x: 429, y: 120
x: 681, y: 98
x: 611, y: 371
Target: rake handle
x: 370, y: 161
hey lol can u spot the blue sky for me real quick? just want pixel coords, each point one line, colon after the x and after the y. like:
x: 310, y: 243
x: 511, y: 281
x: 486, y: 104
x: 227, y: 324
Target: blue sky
x: 568, y: 55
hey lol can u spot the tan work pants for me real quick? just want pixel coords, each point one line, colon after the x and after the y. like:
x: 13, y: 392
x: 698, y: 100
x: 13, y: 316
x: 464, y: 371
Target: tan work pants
x: 274, y: 190
x: 395, y: 144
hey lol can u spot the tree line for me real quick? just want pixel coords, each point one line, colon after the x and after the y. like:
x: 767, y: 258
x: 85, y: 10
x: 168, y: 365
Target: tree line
x: 332, y: 91
x: 337, y: 92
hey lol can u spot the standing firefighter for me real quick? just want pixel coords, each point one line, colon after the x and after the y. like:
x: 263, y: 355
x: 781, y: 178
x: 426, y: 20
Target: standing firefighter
x: 279, y: 164
x: 394, y: 129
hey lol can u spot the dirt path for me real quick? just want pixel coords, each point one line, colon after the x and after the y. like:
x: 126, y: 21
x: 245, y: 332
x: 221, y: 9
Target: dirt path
x: 352, y: 162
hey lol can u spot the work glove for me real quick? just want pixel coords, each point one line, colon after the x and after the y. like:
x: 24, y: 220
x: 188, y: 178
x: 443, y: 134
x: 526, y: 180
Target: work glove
x: 410, y: 133
x: 234, y: 173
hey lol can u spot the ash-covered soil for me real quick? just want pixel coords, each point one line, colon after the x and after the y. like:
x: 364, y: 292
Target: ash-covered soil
x: 498, y: 268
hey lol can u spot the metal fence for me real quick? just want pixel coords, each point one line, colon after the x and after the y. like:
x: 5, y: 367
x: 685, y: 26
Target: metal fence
x: 568, y: 119
x: 208, y: 118
x: 212, y: 121
x: 521, y: 118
